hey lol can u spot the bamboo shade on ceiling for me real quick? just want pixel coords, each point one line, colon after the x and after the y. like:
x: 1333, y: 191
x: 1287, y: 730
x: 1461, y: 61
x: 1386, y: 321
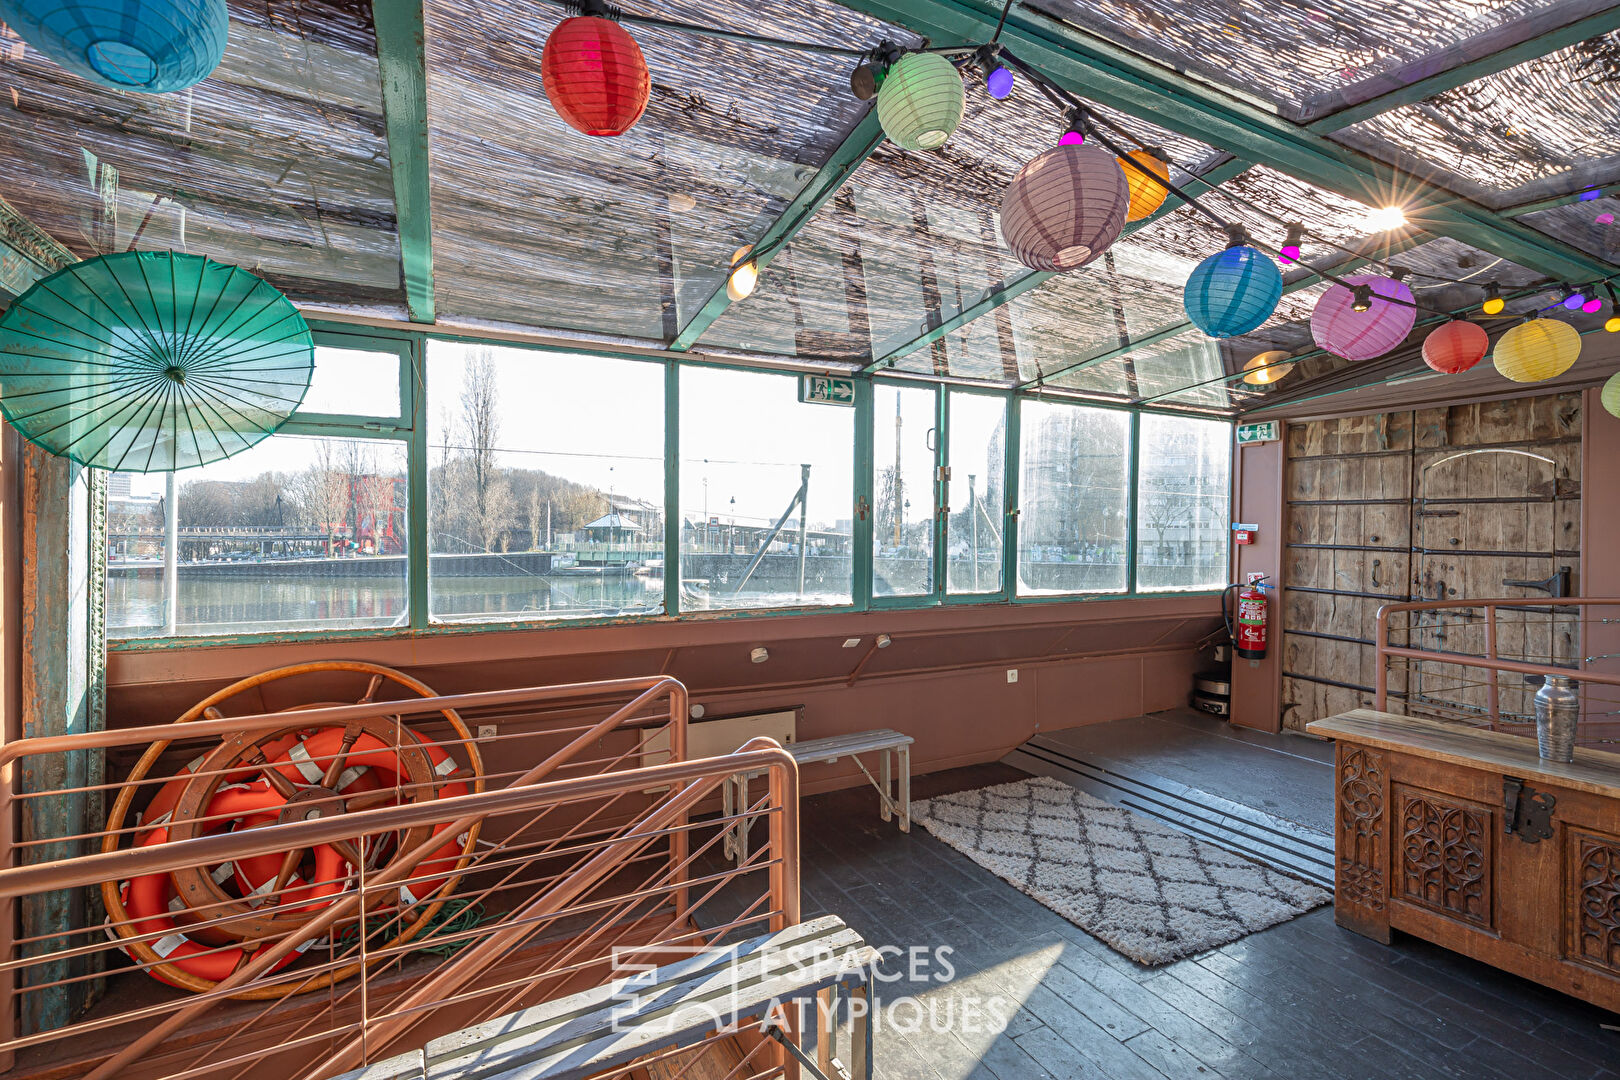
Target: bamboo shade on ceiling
x: 1289, y: 52
x: 277, y: 162
x: 1579, y: 224
x: 1549, y: 118
x: 538, y: 224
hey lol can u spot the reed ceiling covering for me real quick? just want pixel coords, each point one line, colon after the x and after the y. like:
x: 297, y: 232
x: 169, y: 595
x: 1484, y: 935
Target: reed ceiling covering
x: 1484, y: 120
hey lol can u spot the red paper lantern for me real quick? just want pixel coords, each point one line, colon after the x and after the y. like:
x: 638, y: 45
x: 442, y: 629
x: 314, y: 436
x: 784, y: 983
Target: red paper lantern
x: 1456, y: 347
x: 595, y: 75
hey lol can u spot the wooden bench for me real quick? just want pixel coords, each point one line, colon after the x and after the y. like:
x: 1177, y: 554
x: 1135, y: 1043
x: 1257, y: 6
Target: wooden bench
x: 676, y: 1004
x: 894, y: 763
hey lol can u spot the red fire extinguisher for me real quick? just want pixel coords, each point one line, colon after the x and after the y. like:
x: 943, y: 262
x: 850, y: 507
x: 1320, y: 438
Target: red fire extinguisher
x: 1249, y: 636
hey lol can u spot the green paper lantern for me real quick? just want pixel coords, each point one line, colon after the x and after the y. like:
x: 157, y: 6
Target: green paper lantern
x: 921, y: 101
x: 151, y: 361
x: 1611, y: 395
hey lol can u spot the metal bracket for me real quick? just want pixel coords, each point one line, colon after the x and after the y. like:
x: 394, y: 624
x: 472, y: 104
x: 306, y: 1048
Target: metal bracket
x: 1526, y: 813
x: 1557, y: 585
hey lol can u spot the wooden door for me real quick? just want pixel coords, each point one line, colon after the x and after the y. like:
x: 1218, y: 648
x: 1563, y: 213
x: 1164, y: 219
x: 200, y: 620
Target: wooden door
x: 1446, y: 503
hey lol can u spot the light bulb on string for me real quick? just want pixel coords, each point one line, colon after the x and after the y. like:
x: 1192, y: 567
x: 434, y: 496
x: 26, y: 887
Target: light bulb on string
x: 1613, y: 323
x: 1289, y: 252
x: 1076, y: 135
x: 1574, y: 300
x: 1593, y: 305
x: 744, y: 276
x: 1589, y: 194
x: 999, y: 83
x: 1494, y: 303
x: 1363, y: 298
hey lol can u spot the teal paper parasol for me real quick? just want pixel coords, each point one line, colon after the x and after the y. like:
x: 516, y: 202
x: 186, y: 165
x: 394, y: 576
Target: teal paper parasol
x: 149, y: 361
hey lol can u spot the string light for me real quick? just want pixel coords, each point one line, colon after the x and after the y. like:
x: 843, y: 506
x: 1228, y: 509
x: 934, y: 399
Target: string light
x: 999, y: 83
x: 744, y: 276
x: 1265, y: 368
x: 1593, y: 306
x: 1590, y: 194
x: 1494, y: 303
x: 1574, y: 300
x: 1604, y: 219
x: 1289, y: 252
x: 1363, y: 298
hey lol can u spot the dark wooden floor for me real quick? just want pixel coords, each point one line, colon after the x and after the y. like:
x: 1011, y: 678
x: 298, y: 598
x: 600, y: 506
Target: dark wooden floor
x: 1300, y: 1001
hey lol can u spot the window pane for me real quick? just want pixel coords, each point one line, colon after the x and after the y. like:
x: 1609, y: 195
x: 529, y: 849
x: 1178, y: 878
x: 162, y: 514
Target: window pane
x: 749, y: 447
x: 978, y: 457
x: 545, y: 484
x: 1183, y: 503
x: 902, y: 490
x: 296, y: 533
x: 1072, y: 499
x: 353, y: 382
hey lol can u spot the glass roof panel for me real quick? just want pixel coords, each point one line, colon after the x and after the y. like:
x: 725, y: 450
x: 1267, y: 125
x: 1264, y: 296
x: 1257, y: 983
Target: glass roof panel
x: 539, y: 224
x: 1578, y: 224
x: 277, y: 162
x: 1546, y: 118
x: 1287, y: 52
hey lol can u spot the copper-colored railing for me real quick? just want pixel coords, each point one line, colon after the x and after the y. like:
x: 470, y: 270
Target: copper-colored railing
x: 570, y: 862
x: 1484, y: 616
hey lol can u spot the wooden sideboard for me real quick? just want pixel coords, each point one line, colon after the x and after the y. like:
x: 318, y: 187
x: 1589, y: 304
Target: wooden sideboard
x: 1467, y: 838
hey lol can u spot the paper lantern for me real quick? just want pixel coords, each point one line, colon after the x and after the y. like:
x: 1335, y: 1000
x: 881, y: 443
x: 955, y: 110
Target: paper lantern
x: 1537, y: 350
x: 1361, y: 335
x: 1610, y: 395
x: 1232, y: 291
x: 1266, y: 368
x: 595, y: 75
x: 153, y: 46
x: 1146, y: 195
x: 1456, y: 347
x: 1064, y: 208
x: 920, y: 102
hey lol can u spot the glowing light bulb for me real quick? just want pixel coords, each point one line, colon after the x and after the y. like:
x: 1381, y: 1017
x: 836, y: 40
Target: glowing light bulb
x: 1613, y: 325
x: 1363, y: 298
x: 1494, y: 303
x: 1604, y: 219
x: 1574, y: 300
x: 1592, y: 306
x: 1071, y: 138
x: 1590, y: 194
x: 744, y: 275
x: 1289, y: 252
x: 1000, y: 83
x: 1383, y: 219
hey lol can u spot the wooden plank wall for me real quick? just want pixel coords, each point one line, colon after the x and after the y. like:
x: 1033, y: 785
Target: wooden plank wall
x: 1391, y: 507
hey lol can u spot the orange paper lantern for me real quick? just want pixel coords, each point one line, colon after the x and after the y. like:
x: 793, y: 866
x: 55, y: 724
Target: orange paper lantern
x: 1455, y: 347
x: 595, y: 75
x: 1146, y: 195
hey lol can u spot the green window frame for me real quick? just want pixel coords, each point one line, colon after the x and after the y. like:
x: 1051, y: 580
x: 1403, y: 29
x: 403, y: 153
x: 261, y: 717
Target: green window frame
x: 409, y: 427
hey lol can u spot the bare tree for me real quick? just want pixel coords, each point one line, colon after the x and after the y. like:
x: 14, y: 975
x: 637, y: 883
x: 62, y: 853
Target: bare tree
x: 323, y: 491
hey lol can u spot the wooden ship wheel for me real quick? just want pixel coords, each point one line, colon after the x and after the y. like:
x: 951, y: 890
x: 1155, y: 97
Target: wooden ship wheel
x: 197, y: 925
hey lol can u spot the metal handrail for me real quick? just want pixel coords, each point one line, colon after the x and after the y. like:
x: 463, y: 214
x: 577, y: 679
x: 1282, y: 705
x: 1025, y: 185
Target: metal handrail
x: 117, y: 864
x: 1490, y: 661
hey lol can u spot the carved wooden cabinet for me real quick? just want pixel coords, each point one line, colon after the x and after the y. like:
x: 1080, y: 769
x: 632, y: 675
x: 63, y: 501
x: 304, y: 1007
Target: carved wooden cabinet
x: 1468, y: 839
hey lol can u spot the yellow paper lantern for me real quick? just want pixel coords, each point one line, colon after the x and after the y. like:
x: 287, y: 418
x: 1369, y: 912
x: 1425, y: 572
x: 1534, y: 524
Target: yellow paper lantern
x: 1146, y: 196
x: 1538, y: 350
x: 1265, y: 368
x: 1610, y: 396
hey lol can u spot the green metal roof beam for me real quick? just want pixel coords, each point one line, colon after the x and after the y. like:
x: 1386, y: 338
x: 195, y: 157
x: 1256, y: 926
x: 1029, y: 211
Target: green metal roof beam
x: 402, y: 62
x: 1411, y: 239
x: 1011, y: 290
x: 1115, y: 77
x: 1497, y: 49
x: 857, y: 146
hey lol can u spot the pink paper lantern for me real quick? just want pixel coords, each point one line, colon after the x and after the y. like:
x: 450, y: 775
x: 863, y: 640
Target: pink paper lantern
x: 1065, y: 208
x: 1362, y: 335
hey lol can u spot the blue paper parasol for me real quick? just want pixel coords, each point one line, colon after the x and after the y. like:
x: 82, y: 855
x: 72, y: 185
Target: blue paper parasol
x: 151, y: 361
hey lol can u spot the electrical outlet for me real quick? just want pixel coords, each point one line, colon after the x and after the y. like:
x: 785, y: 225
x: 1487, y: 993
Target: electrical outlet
x: 1012, y: 674
x: 851, y: 642
x: 486, y: 732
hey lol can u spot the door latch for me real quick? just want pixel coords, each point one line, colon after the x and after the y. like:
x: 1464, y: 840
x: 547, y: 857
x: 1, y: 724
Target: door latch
x: 1526, y: 813
x: 1557, y: 585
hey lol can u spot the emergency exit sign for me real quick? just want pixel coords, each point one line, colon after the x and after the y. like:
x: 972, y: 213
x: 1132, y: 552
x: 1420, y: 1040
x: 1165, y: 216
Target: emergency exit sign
x: 1257, y: 433
x: 827, y: 390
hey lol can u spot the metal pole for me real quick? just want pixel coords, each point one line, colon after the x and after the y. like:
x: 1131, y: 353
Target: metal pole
x: 973, y: 512
x: 171, y: 556
x: 804, y: 519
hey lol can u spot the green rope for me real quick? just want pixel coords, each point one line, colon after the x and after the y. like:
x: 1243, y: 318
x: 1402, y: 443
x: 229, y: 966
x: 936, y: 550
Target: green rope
x: 456, y: 916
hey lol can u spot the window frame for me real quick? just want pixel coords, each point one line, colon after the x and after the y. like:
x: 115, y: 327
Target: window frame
x: 410, y: 427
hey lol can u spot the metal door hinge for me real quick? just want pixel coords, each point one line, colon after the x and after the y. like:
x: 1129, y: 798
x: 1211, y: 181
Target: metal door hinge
x: 1526, y: 813
x: 862, y: 508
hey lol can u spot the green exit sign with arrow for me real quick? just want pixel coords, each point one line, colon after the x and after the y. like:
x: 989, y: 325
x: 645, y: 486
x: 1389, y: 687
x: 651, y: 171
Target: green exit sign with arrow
x: 1248, y: 434
x: 827, y: 390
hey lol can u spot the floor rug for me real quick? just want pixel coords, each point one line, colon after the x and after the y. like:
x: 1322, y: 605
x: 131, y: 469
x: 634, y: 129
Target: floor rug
x: 1150, y: 892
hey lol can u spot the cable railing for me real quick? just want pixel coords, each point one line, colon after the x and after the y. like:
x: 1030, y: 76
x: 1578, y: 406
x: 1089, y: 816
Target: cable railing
x: 1480, y: 662
x: 398, y: 891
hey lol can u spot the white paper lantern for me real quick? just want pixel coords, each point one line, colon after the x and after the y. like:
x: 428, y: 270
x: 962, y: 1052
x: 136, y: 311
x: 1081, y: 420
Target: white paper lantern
x: 1065, y: 208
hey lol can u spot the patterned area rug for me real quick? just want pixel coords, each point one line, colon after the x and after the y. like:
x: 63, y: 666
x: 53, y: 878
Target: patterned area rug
x: 1150, y: 892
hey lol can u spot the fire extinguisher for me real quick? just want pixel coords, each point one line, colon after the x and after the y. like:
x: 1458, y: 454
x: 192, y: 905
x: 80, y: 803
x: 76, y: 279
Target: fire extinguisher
x: 1249, y: 637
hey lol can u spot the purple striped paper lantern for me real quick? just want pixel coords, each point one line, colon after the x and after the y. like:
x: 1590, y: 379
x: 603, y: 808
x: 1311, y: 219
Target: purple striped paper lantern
x: 1361, y: 335
x: 1065, y: 208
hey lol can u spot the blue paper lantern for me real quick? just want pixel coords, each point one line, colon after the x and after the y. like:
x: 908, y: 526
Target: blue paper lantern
x: 153, y: 46
x: 1232, y: 291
